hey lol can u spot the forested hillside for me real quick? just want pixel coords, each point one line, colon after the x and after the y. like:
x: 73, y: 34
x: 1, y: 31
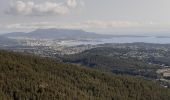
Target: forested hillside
x: 113, y: 60
x: 33, y: 78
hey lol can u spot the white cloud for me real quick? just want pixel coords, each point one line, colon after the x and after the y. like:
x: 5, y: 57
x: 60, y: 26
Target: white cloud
x: 113, y: 24
x: 82, y: 3
x: 41, y: 9
x: 72, y: 3
x: 81, y: 25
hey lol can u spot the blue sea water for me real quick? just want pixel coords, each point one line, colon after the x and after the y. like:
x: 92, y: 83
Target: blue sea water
x: 157, y: 40
x: 137, y: 39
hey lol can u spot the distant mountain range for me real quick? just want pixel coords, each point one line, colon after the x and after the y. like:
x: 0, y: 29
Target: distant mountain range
x: 56, y: 34
x: 53, y: 33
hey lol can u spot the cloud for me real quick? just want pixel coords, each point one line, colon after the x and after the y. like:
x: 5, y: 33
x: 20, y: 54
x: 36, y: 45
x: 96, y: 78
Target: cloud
x: 40, y: 9
x: 113, y: 24
x: 95, y: 24
x: 72, y: 3
x: 82, y: 3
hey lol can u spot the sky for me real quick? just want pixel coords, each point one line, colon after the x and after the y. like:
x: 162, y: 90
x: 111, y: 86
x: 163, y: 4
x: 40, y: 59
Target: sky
x: 102, y: 16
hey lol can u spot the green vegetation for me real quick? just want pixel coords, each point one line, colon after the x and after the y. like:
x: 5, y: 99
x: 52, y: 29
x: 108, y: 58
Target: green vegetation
x: 113, y: 60
x: 33, y: 78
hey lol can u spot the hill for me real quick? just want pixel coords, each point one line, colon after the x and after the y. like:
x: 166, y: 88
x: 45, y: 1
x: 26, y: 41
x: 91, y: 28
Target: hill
x: 113, y: 60
x: 56, y: 34
x: 32, y: 78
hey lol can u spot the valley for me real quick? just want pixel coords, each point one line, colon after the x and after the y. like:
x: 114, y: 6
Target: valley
x: 135, y: 59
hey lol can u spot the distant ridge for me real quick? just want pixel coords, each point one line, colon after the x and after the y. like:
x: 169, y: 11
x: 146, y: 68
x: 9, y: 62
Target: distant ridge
x: 56, y: 34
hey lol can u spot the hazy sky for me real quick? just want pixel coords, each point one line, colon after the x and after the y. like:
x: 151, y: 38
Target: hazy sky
x: 92, y: 15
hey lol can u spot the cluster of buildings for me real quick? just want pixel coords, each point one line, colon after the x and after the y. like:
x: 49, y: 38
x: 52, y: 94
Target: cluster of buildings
x: 164, y: 72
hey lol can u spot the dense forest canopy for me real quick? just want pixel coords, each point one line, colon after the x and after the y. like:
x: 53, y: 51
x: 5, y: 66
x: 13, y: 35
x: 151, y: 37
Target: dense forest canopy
x: 113, y: 60
x: 33, y: 78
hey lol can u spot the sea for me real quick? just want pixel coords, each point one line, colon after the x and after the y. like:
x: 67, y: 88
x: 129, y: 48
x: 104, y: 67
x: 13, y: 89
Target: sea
x: 144, y: 39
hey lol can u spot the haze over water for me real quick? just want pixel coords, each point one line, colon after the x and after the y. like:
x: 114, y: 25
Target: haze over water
x: 156, y: 40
